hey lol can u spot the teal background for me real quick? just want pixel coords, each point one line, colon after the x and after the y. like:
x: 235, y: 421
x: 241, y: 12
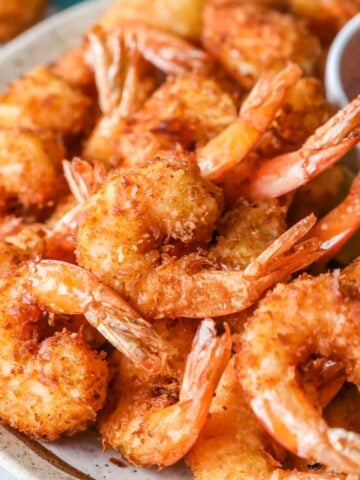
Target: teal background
x: 64, y: 3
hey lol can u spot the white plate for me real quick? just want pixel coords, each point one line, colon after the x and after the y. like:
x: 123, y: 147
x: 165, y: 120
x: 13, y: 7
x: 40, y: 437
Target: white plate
x: 78, y: 457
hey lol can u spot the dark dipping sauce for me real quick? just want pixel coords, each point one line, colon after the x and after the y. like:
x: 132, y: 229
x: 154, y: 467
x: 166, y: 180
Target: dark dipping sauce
x: 350, y: 67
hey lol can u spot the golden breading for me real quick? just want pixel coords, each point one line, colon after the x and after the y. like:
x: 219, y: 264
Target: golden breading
x: 49, y: 386
x: 30, y: 166
x: 250, y: 40
x: 41, y: 100
x: 156, y: 420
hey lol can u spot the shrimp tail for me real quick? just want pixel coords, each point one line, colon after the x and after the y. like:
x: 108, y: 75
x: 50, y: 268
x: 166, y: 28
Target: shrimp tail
x: 126, y: 330
x: 168, y: 52
x: 114, y: 59
x: 330, y: 142
x: 207, y: 361
x: 266, y: 97
x: 274, y: 258
x: 104, y: 310
x: 83, y: 179
x: 204, y: 367
x: 229, y: 148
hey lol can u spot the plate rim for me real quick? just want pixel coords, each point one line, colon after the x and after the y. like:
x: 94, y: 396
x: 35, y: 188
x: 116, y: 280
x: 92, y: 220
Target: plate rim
x: 20, y: 455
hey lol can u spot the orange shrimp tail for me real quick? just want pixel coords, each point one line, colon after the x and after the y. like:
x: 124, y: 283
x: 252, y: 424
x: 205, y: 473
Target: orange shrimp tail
x: 102, y: 307
x: 207, y: 350
x: 340, y: 224
x: 329, y: 143
x: 228, y: 149
x: 83, y: 179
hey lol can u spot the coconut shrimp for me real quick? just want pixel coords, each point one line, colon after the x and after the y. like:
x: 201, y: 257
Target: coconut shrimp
x: 49, y: 386
x: 154, y: 424
x: 234, y: 433
x: 174, y: 114
x: 30, y: 167
x: 192, y: 111
x: 16, y: 17
x: 328, y: 307
x: 187, y: 111
x: 285, y: 173
x: 133, y: 217
x: 42, y: 101
x: 250, y: 40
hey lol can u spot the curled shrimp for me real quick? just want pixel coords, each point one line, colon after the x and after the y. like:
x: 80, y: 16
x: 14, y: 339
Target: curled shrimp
x: 250, y: 40
x: 49, y: 386
x: 234, y: 433
x: 134, y: 218
x: 294, y: 321
x: 186, y: 110
x: 193, y: 110
x: 152, y: 434
x: 330, y: 142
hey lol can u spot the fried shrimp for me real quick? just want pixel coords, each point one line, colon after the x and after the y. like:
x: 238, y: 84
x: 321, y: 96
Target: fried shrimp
x: 308, y: 316
x: 42, y: 101
x: 234, y: 433
x: 285, y: 173
x: 133, y: 217
x: 165, y: 424
x: 189, y: 111
x: 250, y: 40
x: 186, y: 110
x: 30, y: 166
x: 49, y: 386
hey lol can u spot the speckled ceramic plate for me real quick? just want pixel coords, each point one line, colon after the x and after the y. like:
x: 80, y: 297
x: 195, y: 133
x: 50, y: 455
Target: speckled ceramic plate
x: 78, y: 457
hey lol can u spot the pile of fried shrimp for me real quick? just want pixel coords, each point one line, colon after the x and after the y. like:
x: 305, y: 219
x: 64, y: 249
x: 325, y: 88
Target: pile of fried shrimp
x: 178, y: 242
